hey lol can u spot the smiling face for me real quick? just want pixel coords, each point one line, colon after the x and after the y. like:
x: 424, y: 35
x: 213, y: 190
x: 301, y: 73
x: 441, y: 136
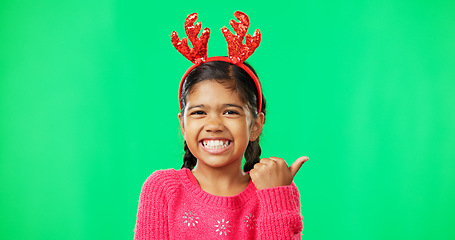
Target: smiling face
x: 217, y: 125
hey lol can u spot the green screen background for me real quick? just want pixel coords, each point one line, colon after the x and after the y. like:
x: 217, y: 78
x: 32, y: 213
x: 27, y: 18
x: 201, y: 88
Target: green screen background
x: 88, y: 110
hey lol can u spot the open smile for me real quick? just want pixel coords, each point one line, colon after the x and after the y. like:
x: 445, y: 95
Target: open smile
x: 216, y: 146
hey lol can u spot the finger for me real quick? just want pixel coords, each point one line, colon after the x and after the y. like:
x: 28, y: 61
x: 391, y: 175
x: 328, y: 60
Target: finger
x: 276, y: 159
x: 279, y: 161
x: 294, y: 168
x: 267, y: 161
x: 258, y: 166
x: 252, y: 173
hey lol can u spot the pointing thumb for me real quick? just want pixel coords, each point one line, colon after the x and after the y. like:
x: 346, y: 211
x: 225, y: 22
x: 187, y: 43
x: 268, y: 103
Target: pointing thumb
x: 294, y: 168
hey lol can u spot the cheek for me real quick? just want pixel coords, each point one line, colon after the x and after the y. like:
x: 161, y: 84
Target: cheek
x: 191, y: 128
x: 243, y: 130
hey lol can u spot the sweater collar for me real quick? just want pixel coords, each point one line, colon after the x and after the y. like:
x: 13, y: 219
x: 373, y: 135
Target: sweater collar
x: 236, y: 201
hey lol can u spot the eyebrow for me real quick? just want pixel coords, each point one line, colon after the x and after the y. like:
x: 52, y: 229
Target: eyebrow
x: 225, y: 105
x: 196, y: 106
x: 233, y: 105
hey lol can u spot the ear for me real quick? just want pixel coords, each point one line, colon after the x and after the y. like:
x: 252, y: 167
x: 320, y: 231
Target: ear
x: 256, y: 128
x: 182, y: 125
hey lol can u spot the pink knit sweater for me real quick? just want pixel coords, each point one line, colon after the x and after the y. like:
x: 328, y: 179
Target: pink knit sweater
x: 173, y: 206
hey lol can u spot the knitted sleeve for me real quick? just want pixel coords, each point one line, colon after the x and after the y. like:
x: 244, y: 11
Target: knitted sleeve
x: 152, y: 217
x: 279, y: 216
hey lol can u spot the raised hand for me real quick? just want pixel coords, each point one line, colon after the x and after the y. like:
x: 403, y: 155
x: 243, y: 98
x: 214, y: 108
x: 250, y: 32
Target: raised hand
x: 274, y: 172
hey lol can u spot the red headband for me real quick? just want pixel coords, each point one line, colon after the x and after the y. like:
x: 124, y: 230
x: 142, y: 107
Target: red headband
x: 238, y: 52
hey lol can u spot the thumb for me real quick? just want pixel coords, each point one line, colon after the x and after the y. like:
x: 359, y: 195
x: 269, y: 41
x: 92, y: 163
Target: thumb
x: 294, y: 168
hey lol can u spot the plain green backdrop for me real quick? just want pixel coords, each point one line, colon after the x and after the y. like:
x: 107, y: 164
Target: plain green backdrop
x: 88, y: 110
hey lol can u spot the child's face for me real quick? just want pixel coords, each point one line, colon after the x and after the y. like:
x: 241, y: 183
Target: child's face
x: 217, y: 126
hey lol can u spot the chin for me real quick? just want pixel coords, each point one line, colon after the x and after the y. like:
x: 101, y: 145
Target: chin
x: 217, y: 161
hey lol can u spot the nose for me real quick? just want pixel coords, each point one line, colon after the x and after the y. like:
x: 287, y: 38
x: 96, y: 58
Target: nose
x: 214, y: 124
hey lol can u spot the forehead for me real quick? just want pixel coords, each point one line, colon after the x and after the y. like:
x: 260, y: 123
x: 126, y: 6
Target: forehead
x: 211, y: 90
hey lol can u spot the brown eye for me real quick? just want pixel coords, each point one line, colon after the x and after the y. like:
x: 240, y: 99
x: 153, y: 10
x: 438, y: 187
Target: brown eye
x: 197, y: 113
x: 231, y: 112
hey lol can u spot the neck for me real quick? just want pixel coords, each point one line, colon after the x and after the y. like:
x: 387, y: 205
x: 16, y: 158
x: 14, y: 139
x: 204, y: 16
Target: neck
x: 224, y: 181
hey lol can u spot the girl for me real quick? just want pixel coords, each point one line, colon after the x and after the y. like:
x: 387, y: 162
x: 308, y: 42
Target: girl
x: 212, y: 196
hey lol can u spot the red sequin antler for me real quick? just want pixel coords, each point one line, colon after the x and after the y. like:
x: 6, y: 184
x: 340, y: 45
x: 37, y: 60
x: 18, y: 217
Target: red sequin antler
x: 238, y: 52
x: 199, y: 51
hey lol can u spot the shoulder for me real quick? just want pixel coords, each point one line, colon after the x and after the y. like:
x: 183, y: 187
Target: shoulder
x: 166, y: 177
x: 162, y: 182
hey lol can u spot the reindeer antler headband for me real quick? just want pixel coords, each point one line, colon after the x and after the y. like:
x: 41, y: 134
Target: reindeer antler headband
x: 238, y: 52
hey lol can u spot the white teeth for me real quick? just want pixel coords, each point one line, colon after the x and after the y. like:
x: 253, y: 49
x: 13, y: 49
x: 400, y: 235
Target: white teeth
x: 215, y: 143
